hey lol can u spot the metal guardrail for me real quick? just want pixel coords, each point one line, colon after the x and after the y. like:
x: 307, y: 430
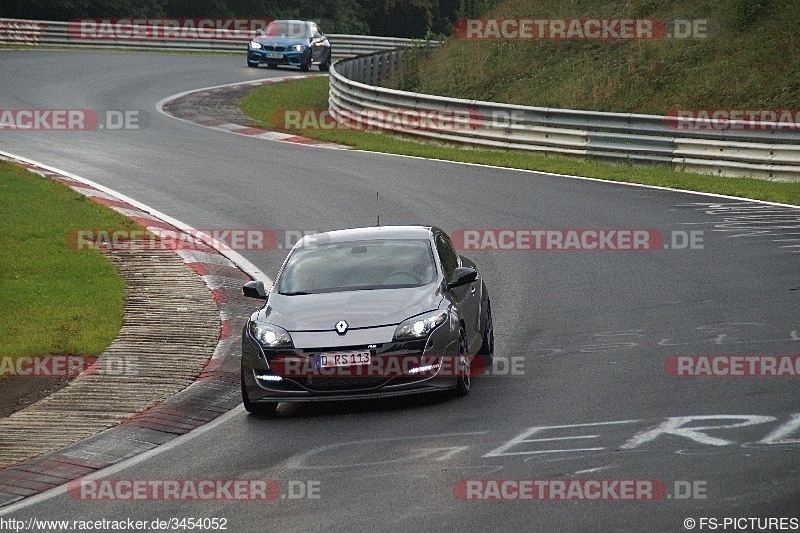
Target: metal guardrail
x: 54, y: 33
x: 356, y: 97
x: 737, y: 150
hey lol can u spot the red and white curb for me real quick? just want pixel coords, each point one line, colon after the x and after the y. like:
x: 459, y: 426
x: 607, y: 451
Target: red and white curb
x: 214, y: 393
x: 182, y: 106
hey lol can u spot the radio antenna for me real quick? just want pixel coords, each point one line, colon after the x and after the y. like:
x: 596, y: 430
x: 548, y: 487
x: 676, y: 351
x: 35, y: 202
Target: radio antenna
x: 378, y: 206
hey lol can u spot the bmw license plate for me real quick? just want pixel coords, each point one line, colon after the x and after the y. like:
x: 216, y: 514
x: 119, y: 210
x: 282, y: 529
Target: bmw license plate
x: 275, y: 55
x: 329, y: 360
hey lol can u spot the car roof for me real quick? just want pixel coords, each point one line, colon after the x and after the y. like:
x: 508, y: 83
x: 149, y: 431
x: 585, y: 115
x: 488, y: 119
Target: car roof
x: 372, y: 232
x: 291, y: 21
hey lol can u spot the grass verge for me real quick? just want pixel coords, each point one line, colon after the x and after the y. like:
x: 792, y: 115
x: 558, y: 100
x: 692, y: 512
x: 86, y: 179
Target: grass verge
x: 55, y: 300
x: 264, y: 103
x: 723, y: 65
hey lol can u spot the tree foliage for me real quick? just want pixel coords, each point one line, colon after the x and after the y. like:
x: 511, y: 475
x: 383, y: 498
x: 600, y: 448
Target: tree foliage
x: 399, y: 18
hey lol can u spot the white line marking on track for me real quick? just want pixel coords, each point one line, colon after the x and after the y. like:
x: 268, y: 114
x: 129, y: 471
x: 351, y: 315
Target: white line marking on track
x: 750, y: 201
x: 133, y: 461
x: 592, y: 470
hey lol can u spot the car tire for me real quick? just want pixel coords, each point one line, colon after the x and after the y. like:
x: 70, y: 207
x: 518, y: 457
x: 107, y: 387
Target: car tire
x: 305, y: 66
x: 252, y: 64
x: 463, y: 379
x: 266, y: 409
x: 487, y: 346
x: 325, y: 65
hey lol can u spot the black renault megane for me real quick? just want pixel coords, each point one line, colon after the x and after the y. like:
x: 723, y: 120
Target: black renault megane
x: 363, y: 313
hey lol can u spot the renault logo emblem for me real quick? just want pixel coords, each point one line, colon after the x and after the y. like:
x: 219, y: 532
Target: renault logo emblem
x: 341, y: 327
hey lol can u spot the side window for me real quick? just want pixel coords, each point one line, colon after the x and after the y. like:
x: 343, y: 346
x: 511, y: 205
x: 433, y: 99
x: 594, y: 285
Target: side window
x: 315, y: 31
x: 447, y: 256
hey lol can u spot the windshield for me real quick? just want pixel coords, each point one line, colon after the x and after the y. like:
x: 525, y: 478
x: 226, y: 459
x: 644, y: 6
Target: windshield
x: 298, y: 30
x: 358, y: 265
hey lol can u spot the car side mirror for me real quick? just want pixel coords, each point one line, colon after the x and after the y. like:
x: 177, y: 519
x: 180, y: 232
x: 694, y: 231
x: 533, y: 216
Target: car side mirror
x: 255, y: 289
x: 463, y: 276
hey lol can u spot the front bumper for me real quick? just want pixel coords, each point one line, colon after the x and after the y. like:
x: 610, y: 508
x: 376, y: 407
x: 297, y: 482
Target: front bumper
x: 288, y: 57
x: 397, y: 369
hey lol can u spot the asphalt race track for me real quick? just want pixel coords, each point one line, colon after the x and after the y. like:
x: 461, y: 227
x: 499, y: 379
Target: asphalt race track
x: 588, y: 331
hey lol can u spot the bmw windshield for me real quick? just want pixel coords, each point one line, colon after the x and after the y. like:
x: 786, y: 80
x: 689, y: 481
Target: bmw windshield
x: 292, y: 30
x: 358, y: 265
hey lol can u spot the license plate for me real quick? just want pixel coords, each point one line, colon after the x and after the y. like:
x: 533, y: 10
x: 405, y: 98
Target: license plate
x: 275, y: 55
x: 329, y: 360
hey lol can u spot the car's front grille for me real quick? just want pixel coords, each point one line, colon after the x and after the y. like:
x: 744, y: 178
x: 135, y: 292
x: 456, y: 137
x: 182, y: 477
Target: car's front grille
x: 274, y: 48
x: 341, y: 383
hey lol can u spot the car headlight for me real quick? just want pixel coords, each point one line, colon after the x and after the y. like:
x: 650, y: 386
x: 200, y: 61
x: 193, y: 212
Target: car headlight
x: 270, y: 336
x: 420, y: 326
x: 255, y: 45
x: 298, y: 47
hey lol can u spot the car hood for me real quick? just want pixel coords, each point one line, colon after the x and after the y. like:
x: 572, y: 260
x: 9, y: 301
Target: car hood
x: 282, y: 41
x: 360, y: 309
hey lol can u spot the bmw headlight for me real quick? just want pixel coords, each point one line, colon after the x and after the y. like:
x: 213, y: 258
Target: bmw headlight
x: 298, y: 47
x: 255, y: 45
x: 420, y: 326
x: 270, y: 336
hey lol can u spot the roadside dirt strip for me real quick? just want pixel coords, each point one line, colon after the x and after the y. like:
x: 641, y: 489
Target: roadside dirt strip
x: 218, y: 108
x: 173, y: 367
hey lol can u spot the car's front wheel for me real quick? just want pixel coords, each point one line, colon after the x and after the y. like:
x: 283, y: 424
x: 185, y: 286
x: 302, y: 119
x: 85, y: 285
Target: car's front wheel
x: 463, y: 379
x: 325, y: 65
x: 305, y: 66
x: 252, y: 64
x: 257, y: 408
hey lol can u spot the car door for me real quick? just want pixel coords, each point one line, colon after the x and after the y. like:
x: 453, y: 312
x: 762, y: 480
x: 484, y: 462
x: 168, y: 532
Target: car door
x: 317, y: 44
x: 464, y: 298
